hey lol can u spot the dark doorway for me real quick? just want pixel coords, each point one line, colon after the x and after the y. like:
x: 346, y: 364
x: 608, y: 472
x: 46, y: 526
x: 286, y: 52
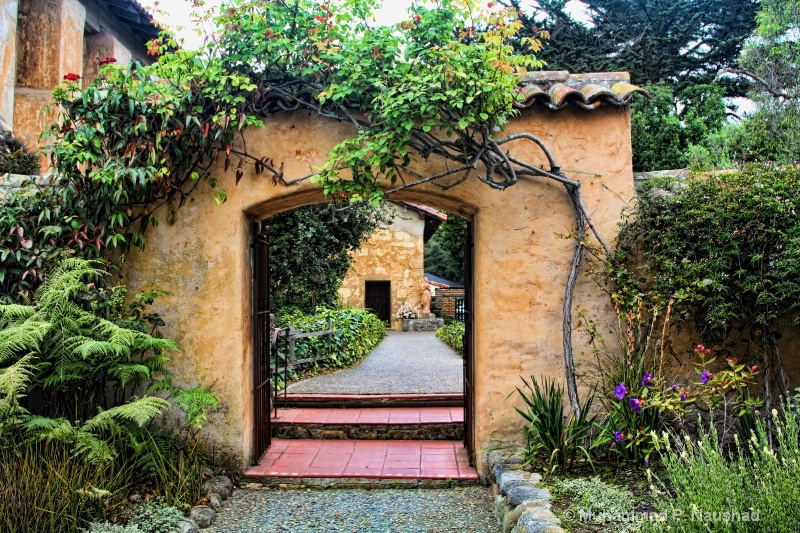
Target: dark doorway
x: 377, y: 298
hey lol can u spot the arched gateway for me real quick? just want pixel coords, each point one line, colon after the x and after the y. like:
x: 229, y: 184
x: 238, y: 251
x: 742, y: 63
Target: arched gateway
x: 522, y: 253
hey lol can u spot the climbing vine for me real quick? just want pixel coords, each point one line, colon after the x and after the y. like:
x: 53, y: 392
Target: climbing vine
x: 441, y: 84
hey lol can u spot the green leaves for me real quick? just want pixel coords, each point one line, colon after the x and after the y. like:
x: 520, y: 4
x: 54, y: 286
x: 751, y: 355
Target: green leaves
x: 725, y: 246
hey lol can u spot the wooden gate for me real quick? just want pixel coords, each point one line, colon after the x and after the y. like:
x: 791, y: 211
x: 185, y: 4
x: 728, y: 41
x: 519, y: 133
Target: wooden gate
x: 469, y: 350
x: 262, y: 341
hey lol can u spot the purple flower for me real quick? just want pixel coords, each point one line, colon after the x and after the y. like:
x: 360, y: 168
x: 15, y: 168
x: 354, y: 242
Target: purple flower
x: 636, y: 405
x: 618, y: 436
x: 620, y: 391
x: 648, y: 377
x: 705, y: 376
x: 683, y: 396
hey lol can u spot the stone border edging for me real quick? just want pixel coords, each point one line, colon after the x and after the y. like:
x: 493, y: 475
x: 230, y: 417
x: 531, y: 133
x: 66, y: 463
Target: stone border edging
x: 520, y: 506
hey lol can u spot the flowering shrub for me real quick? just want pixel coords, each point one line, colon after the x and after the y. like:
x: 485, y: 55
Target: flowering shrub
x: 646, y: 407
x: 406, y: 312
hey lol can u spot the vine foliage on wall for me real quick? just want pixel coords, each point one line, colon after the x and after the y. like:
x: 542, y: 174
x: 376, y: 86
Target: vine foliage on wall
x: 441, y: 84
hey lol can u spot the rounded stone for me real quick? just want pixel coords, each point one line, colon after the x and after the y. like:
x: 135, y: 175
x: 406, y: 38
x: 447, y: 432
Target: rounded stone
x: 222, y: 485
x: 524, y: 493
x: 530, y: 524
x: 187, y: 526
x: 511, y: 479
x: 203, y: 516
x: 214, y: 501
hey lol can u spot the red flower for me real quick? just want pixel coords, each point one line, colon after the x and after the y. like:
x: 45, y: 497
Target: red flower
x: 753, y: 368
x: 107, y: 60
x: 71, y: 77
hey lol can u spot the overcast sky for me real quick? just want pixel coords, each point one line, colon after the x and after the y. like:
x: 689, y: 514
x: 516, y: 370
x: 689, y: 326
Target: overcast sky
x: 177, y: 15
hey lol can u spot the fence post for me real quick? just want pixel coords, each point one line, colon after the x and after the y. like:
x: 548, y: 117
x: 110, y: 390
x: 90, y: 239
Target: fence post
x: 330, y: 337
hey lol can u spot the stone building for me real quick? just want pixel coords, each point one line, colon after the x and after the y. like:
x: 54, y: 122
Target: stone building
x: 41, y: 41
x: 387, y: 268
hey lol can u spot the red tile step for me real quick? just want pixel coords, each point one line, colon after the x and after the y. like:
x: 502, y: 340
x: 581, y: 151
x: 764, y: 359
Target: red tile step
x: 371, y: 416
x: 370, y: 400
x: 370, y: 423
x: 365, y: 459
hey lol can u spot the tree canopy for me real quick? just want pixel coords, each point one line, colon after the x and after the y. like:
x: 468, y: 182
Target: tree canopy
x: 310, y: 251
x: 679, y: 42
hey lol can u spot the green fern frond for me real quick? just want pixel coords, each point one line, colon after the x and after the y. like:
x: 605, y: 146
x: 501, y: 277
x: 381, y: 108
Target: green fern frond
x: 15, y: 379
x: 95, y: 449
x: 196, y: 402
x: 139, y: 411
x: 157, y: 363
x: 23, y: 338
x: 16, y: 312
x: 87, y: 348
x: 128, y: 373
x: 40, y: 426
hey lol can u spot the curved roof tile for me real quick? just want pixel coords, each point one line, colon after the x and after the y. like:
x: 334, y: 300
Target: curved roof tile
x: 558, y: 89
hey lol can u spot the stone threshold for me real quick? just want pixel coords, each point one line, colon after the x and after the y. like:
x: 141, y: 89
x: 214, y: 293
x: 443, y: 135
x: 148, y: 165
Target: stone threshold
x: 278, y: 483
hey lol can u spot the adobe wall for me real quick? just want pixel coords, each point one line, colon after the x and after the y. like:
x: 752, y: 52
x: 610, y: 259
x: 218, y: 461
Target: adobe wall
x: 521, y: 261
x: 393, y: 253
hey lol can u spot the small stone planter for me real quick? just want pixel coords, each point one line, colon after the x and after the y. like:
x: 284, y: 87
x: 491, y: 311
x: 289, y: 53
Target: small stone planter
x: 520, y: 506
x: 424, y: 323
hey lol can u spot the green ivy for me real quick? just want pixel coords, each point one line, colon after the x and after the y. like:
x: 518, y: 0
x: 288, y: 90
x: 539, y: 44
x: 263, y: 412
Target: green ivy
x: 359, y: 332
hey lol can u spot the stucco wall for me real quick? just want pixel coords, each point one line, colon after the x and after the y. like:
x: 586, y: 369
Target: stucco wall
x: 8, y: 61
x: 521, y: 260
x: 393, y: 253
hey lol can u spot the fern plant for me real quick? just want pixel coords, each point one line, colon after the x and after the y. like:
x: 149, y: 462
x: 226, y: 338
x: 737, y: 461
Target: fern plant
x: 81, y: 356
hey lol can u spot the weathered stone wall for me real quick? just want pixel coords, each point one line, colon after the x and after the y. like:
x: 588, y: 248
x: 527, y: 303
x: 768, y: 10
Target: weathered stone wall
x: 49, y: 45
x: 444, y: 301
x: 521, y: 261
x: 393, y: 253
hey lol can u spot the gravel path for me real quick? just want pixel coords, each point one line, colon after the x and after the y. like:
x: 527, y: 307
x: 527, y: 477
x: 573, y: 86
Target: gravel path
x: 455, y: 510
x: 405, y: 362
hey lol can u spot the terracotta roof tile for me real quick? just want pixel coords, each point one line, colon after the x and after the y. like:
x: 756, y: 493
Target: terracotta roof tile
x: 558, y: 89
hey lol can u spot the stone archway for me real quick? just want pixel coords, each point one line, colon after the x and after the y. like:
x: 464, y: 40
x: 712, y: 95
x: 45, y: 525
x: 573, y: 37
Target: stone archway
x: 522, y: 259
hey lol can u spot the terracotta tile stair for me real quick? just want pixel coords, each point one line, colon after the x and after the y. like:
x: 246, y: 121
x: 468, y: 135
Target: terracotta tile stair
x: 395, y: 423
x: 366, y: 445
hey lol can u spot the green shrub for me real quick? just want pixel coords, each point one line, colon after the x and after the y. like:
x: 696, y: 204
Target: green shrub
x: 155, y: 517
x: 452, y: 335
x: 551, y: 436
x: 758, y: 485
x: 46, y: 487
x: 359, y: 332
x: 597, y: 502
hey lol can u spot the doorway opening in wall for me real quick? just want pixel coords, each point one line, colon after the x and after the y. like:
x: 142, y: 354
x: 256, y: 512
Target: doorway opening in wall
x: 377, y: 299
x: 341, y: 356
